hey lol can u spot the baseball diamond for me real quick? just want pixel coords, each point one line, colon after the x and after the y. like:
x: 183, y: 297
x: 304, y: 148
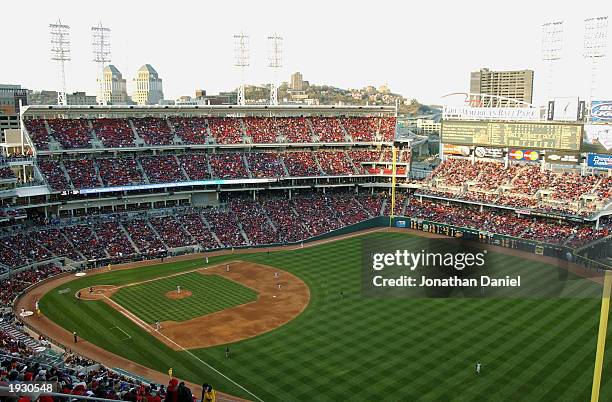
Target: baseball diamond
x: 363, y: 229
x: 209, y: 293
x: 408, y: 345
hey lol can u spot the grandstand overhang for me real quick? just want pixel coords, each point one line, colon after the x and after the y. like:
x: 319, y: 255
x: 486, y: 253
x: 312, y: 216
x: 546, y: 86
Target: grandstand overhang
x: 204, y: 110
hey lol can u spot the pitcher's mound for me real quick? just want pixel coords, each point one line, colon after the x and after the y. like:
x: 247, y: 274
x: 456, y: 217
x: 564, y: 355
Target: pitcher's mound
x: 174, y: 295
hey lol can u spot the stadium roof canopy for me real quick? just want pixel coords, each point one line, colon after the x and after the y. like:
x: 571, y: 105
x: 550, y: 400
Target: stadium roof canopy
x: 203, y: 110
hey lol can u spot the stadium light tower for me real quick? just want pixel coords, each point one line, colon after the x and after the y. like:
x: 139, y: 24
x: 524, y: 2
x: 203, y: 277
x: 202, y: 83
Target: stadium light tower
x: 275, y: 61
x: 595, y: 43
x: 60, y: 52
x: 241, y: 60
x: 100, y: 42
x: 552, y: 45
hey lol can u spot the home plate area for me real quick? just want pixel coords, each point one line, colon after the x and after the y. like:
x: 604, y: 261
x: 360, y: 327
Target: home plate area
x: 211, y: 305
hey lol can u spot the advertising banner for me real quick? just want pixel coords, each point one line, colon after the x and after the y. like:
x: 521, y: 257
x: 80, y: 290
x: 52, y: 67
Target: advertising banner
x: 170, y: 185
x: 566, y: 109
x: 601, y: 111
x: 599, y: 161
x: 565, y: 158
x: 491, y: 113
x: 459, y: 150
x: 597, y: 138
x: 485, y: 152
x: 524, y: 155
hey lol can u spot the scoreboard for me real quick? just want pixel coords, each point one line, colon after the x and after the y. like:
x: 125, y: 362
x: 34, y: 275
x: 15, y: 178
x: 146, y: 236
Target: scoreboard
x: 539, y: 135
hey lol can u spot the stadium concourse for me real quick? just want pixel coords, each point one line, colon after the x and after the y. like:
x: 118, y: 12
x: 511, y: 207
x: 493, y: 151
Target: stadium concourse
x: 99, y: 186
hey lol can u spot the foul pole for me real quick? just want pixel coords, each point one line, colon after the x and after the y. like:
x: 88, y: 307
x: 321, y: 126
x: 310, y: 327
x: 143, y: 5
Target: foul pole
x: 601, y: 337
x: 393, y: 181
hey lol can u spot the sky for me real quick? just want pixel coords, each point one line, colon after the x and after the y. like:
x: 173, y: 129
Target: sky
x: 421, y: 50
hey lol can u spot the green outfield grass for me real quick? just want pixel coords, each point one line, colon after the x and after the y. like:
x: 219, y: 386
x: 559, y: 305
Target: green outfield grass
x: 356, y: 348
x: 210, y: 293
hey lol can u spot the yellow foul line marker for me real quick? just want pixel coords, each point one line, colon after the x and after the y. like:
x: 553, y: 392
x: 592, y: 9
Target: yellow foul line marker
x: 601, y: 337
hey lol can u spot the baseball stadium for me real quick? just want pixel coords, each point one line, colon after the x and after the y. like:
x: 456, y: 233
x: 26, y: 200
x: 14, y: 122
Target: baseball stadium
x: 227, y: 247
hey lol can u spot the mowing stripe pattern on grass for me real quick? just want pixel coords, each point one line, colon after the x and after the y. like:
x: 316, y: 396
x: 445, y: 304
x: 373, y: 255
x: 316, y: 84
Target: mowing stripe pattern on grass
x: 209, y: 294
x: 354, y: 348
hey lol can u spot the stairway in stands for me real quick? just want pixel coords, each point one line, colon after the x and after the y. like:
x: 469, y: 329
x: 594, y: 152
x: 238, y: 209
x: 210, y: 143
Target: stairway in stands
x: 10, y: 330
x: 47, y: 357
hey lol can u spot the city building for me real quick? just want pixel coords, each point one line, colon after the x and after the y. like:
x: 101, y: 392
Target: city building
x: 516, y: 84
x: 427, y: 126
x: 45, y: 97
x: 8, y: 122
x: 113, y: 89
x: 147, y: 86
x: 223, y: 98
x: 10, y: 97
x: 297, y: 82
x: 80, y: 98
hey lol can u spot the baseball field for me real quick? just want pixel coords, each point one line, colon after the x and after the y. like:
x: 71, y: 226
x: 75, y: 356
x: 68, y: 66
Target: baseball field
x: 317, y: 337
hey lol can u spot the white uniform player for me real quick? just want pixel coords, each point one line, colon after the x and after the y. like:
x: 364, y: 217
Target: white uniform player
x: 478, y: 366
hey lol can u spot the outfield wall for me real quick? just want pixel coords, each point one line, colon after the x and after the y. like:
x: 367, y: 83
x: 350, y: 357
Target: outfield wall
x: 591, y: 256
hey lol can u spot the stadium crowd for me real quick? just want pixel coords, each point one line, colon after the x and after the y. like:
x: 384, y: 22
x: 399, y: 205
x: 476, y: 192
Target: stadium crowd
x: 293, y: 129
x: 124, y: 132
x: 193, y: 130
x: 19, y: 281
x: 76, y: 375
x: 153, y: 130
x: 90, y: 172
x: 6, y: 173
x: 328, y: 129
x: 268, y: 220
x: 518, y: 185
x: 114, y: 133
x: 71, y: 133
